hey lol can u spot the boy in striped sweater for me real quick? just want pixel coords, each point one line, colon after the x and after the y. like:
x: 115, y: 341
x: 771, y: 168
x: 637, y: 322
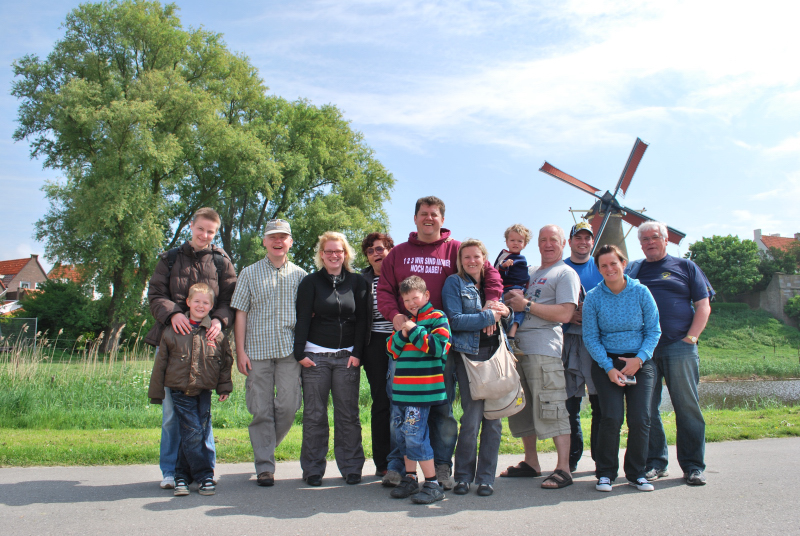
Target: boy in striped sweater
x: 420, y: 349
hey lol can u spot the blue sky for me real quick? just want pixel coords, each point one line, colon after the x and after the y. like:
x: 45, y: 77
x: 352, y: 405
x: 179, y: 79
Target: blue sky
x: 465, y: 100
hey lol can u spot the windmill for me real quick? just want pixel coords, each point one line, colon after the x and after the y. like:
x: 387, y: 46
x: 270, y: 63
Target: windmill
x: 606, y: 215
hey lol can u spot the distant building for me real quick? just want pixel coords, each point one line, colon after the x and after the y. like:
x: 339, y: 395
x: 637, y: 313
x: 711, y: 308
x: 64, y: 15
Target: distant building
x: 19, y: 274
x: 765, y: 242
x: 64, y: 273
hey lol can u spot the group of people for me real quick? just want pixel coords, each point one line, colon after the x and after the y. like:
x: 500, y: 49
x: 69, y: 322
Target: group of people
x: 412, y: 319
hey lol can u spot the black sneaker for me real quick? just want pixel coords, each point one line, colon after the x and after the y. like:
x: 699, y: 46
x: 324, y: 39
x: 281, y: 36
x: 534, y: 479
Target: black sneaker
x: 181, y: 487
x: 406, y: 488
x: 207, y: 487
x: 429, y: 494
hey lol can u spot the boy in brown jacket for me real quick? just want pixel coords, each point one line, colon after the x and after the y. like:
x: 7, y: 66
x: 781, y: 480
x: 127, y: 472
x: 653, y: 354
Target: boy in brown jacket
x: 191, y: 365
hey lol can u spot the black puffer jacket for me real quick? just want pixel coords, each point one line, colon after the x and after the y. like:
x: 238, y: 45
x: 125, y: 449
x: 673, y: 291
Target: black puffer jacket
x: 331, y: 314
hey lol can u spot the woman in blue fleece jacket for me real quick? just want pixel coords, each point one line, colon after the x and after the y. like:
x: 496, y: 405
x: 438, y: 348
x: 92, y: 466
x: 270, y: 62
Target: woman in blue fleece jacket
x: 621, y: 330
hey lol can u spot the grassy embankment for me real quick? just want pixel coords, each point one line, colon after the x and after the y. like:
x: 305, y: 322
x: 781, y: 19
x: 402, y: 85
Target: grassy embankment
x: 88, y: 409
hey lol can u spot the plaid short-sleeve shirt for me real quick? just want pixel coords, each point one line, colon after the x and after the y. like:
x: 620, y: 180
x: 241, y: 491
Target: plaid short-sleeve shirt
x: 268, y: 295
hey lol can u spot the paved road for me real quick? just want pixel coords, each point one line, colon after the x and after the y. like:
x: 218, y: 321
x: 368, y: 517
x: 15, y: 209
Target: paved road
x: 753, y: 487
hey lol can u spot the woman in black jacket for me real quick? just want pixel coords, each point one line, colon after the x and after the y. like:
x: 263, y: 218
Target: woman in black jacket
x: 329, y: 339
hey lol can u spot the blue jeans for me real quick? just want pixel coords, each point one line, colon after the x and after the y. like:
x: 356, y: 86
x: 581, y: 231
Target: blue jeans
x: 411, y: 423
x: 679, y: 364
x: 171, y: 438
x: 194, y: 418
x: 394, y: 461
x: 613, y: 401
x: 442, y: 424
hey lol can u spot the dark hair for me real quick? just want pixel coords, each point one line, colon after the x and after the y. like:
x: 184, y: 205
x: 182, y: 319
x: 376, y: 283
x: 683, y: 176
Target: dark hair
x: 430, y: 200
x: 609, y: 248
x: 371, y: 238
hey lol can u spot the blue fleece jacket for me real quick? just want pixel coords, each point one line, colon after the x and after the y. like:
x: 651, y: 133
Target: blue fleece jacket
x: 620, y: 323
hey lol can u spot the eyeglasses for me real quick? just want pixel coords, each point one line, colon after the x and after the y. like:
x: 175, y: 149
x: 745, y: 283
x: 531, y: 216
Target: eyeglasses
x: 379, y: 249
x: 648, y: 239
x: 333, y: 252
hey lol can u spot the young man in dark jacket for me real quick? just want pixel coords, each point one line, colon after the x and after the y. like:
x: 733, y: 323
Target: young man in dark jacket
x: 196, y: 261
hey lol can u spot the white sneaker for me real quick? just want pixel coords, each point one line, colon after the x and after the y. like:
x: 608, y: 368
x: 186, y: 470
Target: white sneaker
x: 642, y: 485
x: 168, y: 482
x: 604, y: 484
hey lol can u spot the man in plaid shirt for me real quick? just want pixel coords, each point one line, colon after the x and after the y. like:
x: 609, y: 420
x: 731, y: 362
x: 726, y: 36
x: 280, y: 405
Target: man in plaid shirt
x: 265, y: 299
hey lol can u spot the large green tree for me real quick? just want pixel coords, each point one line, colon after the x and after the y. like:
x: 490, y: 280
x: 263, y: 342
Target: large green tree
x: 730, y: 264
x: 149, y: 121
x: 777, y: 260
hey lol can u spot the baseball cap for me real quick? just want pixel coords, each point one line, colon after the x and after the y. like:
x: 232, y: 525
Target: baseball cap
x: 278, y: 226
x: 581, y: 226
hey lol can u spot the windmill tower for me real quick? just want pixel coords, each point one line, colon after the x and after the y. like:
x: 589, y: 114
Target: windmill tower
x: 606, y: 215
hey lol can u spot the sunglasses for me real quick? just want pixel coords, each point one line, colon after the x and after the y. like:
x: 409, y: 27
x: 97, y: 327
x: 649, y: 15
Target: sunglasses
x: 379, y: 249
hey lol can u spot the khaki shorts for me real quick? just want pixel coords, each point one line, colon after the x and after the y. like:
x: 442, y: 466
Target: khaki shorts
x: 545, y: 413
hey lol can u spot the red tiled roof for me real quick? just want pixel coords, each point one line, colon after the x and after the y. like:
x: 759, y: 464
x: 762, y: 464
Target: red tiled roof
x: 13, y: 266
x: 779, y: 242
x: 69, y: 271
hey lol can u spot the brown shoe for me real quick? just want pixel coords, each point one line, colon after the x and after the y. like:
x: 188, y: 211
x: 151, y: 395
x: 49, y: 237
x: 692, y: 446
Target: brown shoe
x: 265, y: 479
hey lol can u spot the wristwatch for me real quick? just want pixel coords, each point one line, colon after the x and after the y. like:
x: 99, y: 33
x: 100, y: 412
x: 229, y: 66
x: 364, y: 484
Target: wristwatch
x: 692, y: 338
x: 528, y: 306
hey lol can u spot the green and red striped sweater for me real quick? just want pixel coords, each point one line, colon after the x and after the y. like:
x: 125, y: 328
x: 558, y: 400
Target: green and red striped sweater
x: 419, y: 375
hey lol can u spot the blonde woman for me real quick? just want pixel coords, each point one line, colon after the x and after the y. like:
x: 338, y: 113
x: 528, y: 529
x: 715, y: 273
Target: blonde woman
x: 329, y: 339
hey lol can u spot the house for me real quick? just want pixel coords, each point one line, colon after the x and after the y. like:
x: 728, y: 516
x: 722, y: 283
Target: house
x: 765, y: 242
x: 64, y: 273
x: 19, y: 274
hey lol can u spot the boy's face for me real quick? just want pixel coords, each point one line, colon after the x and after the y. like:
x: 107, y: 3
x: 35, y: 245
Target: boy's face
x: 515, y: 242
x: 199, y: 306
x: 415, y: 300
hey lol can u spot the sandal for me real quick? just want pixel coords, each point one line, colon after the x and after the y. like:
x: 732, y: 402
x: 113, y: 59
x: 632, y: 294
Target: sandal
x: 562, y: 479
x: 522, y: 469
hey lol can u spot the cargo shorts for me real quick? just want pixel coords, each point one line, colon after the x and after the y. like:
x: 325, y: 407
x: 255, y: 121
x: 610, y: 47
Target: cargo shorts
x: 545, y: 414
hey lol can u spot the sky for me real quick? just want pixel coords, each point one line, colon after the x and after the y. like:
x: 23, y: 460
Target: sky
x: 466, y: 99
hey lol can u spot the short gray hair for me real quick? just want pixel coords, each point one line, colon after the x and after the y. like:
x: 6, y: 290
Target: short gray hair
x: 653, y: 225
x: 558, y: 229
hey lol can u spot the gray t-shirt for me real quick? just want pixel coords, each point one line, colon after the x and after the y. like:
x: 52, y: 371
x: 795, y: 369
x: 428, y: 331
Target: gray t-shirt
x: 553, y: 285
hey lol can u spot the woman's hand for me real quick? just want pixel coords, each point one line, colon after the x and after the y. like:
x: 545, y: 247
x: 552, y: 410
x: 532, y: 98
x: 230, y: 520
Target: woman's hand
x: 353, y: 361
x: 214, y: 330
x: 632, y: 365
x: 306, y: 362
x: 223, y: 398
x: 489, y: 330
x: 616, y: 377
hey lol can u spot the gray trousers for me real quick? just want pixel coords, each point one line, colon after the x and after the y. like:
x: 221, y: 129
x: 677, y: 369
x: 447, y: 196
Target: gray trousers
x: 273, y: 397
x: 469, y: 464
x: 331, y: 376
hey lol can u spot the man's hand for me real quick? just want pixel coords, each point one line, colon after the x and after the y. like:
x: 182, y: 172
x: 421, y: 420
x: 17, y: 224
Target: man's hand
x: 180, y: 324
x: 577, y: 316
x: 398, y: 321
x: 516, y: 300
x: 243, y: 363
x: 223, y: 398
x: 353, y: 361
x: 214, y: 330
x: 307, y: 363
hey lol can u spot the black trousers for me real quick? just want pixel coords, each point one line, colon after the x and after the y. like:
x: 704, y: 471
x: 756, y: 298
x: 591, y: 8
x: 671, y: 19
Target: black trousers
x: 376, y: 365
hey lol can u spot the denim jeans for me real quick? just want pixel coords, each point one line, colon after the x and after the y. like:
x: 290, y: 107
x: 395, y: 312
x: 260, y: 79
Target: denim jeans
x: 576, y: 437
x: 413, y: 438
x: 395, y: 460
x: 171, y: 438
x: 194, y: 418
x: 613, y: 400
x: 470, y: 464
x: 442, y: 424
x: 679, y: 364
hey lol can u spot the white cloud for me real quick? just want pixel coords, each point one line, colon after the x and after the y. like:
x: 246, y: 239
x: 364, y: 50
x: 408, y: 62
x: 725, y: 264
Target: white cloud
x: 788, y: 146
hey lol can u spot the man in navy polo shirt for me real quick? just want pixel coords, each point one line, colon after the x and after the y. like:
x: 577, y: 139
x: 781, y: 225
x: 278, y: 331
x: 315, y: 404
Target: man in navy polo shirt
x: 681, y: 293
x: 576, y: 358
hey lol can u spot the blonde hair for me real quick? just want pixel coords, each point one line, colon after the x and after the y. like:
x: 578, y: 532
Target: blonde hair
x: 412, y: 283
x: 207, y: 213
x: 521, y: 230
x: 349, y: 252
x: 200, y: 288
x: 470, y: 242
